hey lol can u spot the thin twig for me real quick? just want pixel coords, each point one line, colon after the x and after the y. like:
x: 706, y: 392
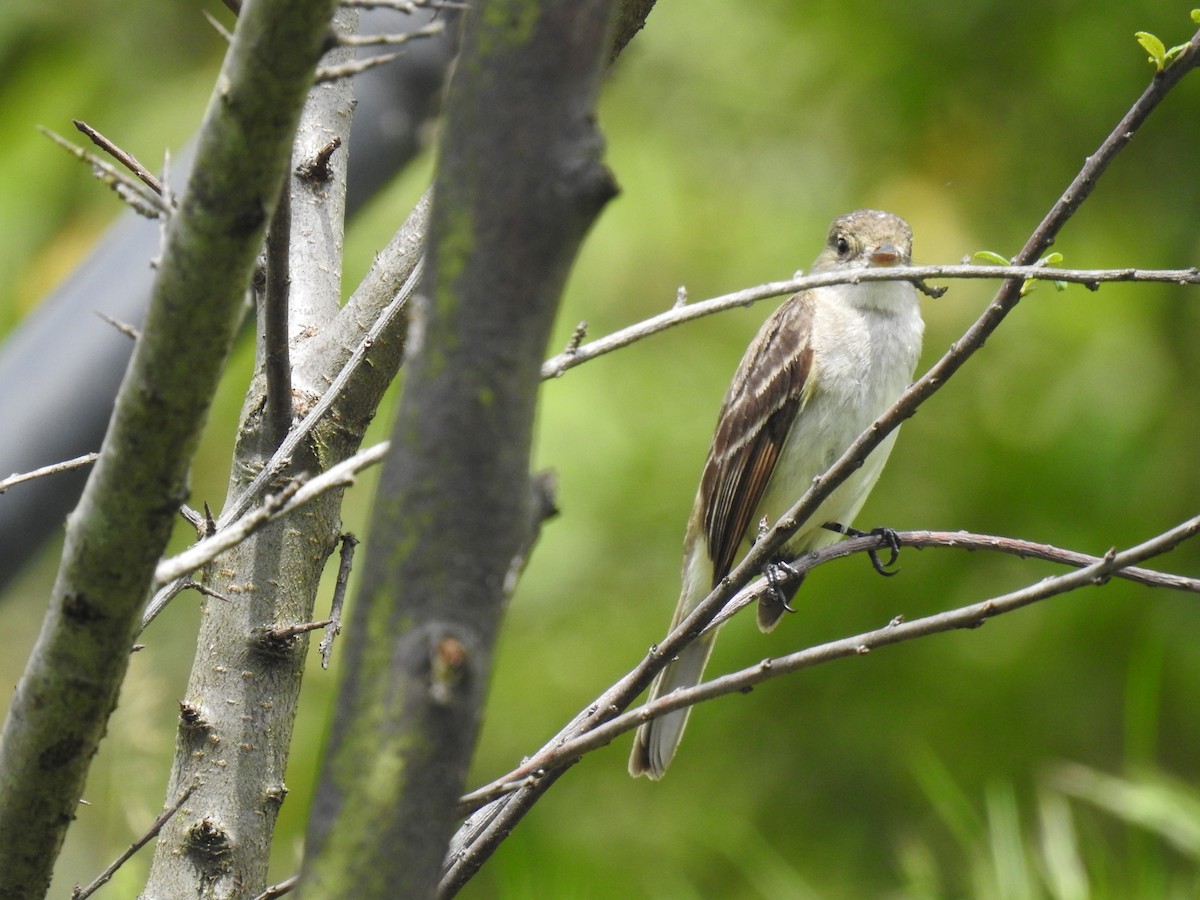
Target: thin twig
x: 142, y: 200
x: 155, y: 827
x: 78, y: 462
x: 334, y: 627
x: 203, y: 588
x: 124, y: 327
x: 355, y: 67
x: 279, y: 890
x: 217, y: 26
x: 962, y: 540
x: 287, y: 501
x: 406, y: 6
x: 281, y: 633
x: 277, y: 361
x: 679, y: 313
x: 124, y: 157
x: 433, y: 29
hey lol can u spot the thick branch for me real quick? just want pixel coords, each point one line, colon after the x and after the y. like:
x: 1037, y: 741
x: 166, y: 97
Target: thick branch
x: 518, y: 184
x: 239, y: 706
x: 121, y: 526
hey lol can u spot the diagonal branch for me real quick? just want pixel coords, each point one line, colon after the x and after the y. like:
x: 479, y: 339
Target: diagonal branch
x: 273, y: 507
x: 148, y: 835
x: 66, y: 466
x: 124, y: 157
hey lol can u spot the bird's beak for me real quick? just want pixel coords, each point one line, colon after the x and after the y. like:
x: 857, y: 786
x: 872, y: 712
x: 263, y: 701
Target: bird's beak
x: 885, y: 255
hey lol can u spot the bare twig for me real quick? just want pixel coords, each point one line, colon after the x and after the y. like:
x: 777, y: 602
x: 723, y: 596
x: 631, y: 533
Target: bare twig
x: 18, y: 478
x: 679, y: 313
x: 280, y: 889
x: 433, y: 29
x: 277, y: 362
x: 141, y: 199
x: 334, y: 626
x: 155, y: 827
x: 124, y: 157
x: 217, y: 26
x: 962, y: 540
x: 124, y: 327
x: 406, y: 6
x: 276, y: 505
x: 202, y: 588
x: 282, y: 633
x: 355, y: 67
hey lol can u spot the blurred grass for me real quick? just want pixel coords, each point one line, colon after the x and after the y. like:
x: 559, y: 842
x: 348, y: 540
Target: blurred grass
x: 737, y: 132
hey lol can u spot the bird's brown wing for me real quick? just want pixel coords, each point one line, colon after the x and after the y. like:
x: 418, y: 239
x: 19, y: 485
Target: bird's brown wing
x: 759, y: 410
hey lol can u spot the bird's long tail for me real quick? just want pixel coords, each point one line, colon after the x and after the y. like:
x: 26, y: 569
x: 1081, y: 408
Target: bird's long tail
x: 656, y: 742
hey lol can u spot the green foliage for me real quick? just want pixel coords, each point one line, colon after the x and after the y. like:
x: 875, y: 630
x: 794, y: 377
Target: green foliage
x: 1050, y: 259
x: 1160, y: 56
x: 991, y: 258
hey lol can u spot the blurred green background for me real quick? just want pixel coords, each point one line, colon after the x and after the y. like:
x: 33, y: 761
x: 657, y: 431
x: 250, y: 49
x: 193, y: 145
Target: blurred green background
x: 737, y: 132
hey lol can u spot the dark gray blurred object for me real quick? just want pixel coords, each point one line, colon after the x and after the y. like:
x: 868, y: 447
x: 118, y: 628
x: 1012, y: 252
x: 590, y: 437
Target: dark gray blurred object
x: 61, y: 367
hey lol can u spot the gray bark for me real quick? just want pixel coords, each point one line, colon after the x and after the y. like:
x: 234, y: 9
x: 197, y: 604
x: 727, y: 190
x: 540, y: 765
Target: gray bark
x: 122, y: 523
x: 518, y: 183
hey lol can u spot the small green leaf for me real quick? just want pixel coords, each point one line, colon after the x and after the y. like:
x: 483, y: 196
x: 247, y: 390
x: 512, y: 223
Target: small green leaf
x: 1051, y: 259
x: 1174, y: 52
x: 987, y: 256
x: 1060, y: 285
x: 1153, y: 46
x: 1196, y: 16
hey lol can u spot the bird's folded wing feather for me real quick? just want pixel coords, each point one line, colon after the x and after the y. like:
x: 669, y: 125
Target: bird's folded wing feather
x: 767, y: 392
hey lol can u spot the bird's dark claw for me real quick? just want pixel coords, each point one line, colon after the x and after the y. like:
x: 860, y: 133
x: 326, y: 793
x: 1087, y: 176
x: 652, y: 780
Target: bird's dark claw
x: 890, y: 539
x: 782, y: 583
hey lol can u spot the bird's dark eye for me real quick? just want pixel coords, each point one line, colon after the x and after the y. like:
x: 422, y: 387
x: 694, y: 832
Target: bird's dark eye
x: 842, y: 244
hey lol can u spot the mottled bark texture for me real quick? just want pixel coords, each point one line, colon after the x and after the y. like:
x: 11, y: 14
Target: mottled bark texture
x: 117, y: 534
x: 519, y: 181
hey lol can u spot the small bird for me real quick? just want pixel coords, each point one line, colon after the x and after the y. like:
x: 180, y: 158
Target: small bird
x: 822, y: 368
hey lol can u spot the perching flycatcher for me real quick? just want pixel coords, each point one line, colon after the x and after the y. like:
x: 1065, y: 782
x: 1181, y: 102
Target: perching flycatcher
x: 822, y: 368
